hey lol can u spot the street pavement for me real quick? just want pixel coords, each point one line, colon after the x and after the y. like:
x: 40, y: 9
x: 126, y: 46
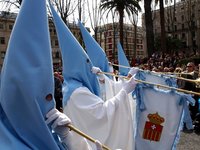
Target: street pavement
x: 189, y: 141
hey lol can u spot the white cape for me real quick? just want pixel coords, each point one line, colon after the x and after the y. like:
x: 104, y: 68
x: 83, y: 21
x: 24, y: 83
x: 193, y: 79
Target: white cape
x: 109, y: 122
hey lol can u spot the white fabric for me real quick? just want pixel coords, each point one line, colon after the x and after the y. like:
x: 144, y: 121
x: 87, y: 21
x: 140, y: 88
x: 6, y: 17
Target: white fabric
x: 107, y: 89
x: 130, y: 85
x: 112, y: 87
x: 167, y: 106
x: 74, y: 141
x: 109, y: 122
x: 133, y: 70
x: 58, y: 121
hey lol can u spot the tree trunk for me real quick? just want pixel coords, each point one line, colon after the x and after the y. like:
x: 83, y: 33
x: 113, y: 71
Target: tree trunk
x: 114, y: 42
x: 149, y: 27
x: 121, y: 24
x: 127, y: 46
x: 173, y: 20
x: 135, y: 41
x: 162, y: 25
x: 95, y: 33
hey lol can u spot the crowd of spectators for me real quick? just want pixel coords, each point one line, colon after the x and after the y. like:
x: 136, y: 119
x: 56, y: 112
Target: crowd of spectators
x: 163, y: 62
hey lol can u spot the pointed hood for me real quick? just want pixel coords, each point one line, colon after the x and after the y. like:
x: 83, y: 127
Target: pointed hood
x: 27, y: 87
x: 94, y: 51
x: 76, y: 63
x: 122, y: 60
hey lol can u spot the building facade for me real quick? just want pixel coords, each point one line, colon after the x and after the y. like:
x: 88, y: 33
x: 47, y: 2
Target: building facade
x: 108, y: 37
x: 7, y: 21
x: 182, y: 21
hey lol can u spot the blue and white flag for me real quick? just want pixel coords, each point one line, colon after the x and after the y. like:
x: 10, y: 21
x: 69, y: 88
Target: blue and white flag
x: 159, y: 117
x: 156, y: 78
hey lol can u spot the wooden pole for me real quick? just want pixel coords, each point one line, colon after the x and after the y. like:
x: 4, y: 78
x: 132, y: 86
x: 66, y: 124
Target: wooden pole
x: 158, y: 85
x: 85, y: 135
x: 168, y: 74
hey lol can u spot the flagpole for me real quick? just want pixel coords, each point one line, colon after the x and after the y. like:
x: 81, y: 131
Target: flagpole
x: 158, y: 85
x: 71, y: 127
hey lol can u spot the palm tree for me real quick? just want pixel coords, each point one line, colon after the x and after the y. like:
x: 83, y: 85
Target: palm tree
x: 162, y: 25
x: 120, y: 6
x: 149, y: 27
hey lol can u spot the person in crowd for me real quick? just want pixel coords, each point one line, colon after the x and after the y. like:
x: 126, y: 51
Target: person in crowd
x: 191, y: 74
x: 58, y: 91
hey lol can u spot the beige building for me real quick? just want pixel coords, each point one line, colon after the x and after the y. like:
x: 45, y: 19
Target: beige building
x: 108, y: 41
x: 182, y: 21
x: 6, y: 24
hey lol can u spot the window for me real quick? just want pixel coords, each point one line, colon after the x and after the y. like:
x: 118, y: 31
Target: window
x: 193, y: 23
x: 193, y: 16
x: 193, y: 34
x: 10, y: 26
x: 57, y: 54
x: 109, y: 40
x: 1, y: 26
x: 110, y: 46
x: 54, y: 31
x: 183, y: 26
x: 2, y: 40
x: 3, y: 55
x: 193, y: 7
x: 183, y: 35
x: 168, y: 28
x: 56, y: 42
x: 182, y: 18
x: 110, y: 52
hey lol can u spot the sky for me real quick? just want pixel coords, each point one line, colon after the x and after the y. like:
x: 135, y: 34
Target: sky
x: 87, y: 23
x: 87, y: 20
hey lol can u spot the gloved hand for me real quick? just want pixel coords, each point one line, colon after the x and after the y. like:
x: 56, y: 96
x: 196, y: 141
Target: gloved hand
x: 98, y: 145
x: 97, y: 70
x: 130, y: 85
x: 59, y: 121
x: 121, y: 79
x: 133, y: 71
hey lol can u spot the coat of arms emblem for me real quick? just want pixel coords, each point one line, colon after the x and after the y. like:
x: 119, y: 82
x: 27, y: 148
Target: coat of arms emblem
x: 153, y: 128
